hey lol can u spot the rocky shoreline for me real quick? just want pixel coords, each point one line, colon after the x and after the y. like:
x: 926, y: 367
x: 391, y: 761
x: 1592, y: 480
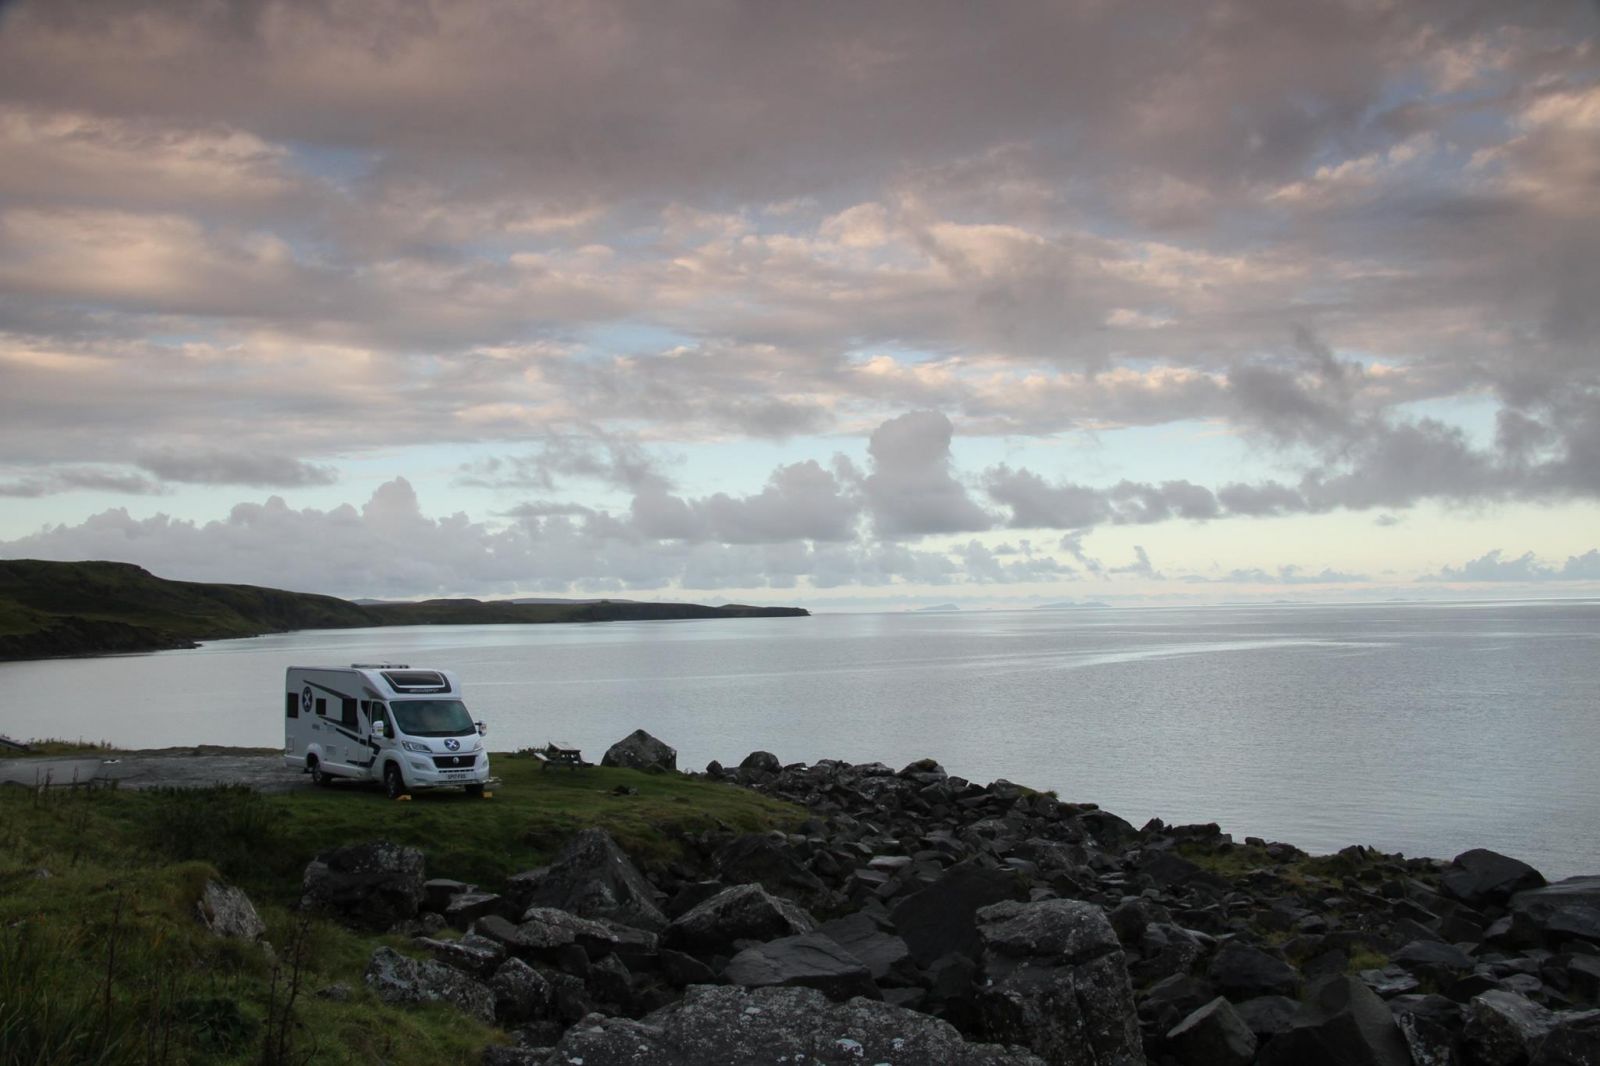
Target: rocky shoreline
x: 914, y: 917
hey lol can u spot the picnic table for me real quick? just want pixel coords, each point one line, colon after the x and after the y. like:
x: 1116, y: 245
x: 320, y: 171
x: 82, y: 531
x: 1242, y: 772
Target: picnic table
x: 561, y: 753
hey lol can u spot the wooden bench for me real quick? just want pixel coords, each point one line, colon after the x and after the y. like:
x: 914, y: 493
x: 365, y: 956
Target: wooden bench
x: 560, y: 753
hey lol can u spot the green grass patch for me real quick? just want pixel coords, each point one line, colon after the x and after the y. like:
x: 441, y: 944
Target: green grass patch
x: 102, y: 959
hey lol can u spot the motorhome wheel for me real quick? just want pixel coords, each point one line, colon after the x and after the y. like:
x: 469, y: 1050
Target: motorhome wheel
x: 393, y: 781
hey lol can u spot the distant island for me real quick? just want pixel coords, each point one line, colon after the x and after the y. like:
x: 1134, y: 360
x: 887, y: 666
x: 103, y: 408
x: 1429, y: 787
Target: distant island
x: 53, y: 609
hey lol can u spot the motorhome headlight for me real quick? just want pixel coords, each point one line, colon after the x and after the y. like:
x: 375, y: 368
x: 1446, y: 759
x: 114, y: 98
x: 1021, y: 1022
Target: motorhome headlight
x: 415, y: 745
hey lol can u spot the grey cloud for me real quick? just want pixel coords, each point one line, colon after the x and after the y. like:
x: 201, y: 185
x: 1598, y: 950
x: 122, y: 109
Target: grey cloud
x: 801, y: 501
x: 211, y: 467
x: 1494, y: 566
x: 990, y: 566
x: 911, y: 491
x: 618, y: 463
x: 70, y: 479
x: 1291, y: 575
x: 1141, y: 566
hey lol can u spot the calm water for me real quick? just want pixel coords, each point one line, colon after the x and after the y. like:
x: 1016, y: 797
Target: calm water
x: 1423, y: 729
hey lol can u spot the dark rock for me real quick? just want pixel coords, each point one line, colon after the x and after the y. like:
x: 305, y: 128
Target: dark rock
x: 1503, y: 1028
x: 500, y: 1055
x: 1341, y: 1023
x: 683, y: 970
x: 1431, y: 1025
x: 860, y: 935
x: 1214, y: 1035
x: 764, y: 761
x: 438, y: 891
x: 521, y: 994
x: 810, y: 960
x: 744, y: 912
x: 371, y: 886
x: 610, y: 982
x: 594, y: 878
x: 227, y: 912
x: 398, y: 979
x: 1056, y: 981
x: 1439, y: 962
x: 468, y: 907
x: 1481, y: 877
x: 1164, y: 949
x: 724, y: 1026
x: 475, y: 955
x: 640, y: 751
x: 690, y: 895
x: 1568, y: 909
x: 1575, y: 1041
x: 1241, y: 972
x: 1390, y: 981
x: 1267, y: 1016
x: 767, y: 858
x: 940, y: 919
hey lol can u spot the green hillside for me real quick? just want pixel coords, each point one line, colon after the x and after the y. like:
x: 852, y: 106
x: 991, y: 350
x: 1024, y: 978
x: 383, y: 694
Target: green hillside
x: 52, y: 609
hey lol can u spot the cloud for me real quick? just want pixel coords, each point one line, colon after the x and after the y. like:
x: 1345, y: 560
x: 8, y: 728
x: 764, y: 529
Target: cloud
x: 58, y: 480
x: 910, y: 491
x: 211, y: 467
x: 1492, y: 566
x: 1141, y: 566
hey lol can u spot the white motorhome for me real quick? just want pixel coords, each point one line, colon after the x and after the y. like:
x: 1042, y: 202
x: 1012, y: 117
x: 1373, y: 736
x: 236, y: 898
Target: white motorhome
x: 383, y: 722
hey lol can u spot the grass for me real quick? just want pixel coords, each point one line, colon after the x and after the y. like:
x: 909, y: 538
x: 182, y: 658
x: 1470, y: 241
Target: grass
x: 103, y: 961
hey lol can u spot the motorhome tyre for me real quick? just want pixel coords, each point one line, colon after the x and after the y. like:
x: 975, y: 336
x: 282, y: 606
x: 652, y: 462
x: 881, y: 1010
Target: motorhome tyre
x: 475, y: 790
x: 318, y: 775
x: 393, y: 781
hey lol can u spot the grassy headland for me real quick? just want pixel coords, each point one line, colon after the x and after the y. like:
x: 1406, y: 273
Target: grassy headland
x: 50, y: 609
x: 102, y: 958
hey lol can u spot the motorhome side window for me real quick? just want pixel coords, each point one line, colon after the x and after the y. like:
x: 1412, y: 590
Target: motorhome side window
x: 322, y: 707
x: 291, y: 706
x: 347, y: 712
x: 378, y: 715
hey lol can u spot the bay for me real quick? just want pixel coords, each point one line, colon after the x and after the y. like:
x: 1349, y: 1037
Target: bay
x: 1421, y: 728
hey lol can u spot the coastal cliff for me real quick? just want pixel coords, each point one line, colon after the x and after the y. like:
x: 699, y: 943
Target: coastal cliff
x: 60, y: 609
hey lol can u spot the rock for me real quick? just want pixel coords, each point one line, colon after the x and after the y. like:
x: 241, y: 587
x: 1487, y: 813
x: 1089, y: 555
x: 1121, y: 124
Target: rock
x: 545, y: 932
x: 467, y: 907
x: 1241, y: 972
x: 521, y: 994
x: 1341, y: 1023
x: 371, y: 886
x: 763, y: 761
x: 1481, y: 877
x: 1430, y: 1025
x: 1055, y: 980
x: 683, y: 970
x: 228, y: 912
x: 940, y: 919
x: 767, y: 858
x: 640, y: 751
x: 610, y: 982
x: 728, y: 1026
x: 1214, y: 1035
x: 437, y: 892
x: 1441, y: 963
x: 860, y: 935
x: 1267, y: 1016
x: 476, y: 955
x: 1568, y: 909
x: 1504, y: 1029
x: 1575, y: 1041
x: 810, y: 960
x: 594, y: 878
x: 500, y: 1055
x: 743, y: 912
x: 397, y: 979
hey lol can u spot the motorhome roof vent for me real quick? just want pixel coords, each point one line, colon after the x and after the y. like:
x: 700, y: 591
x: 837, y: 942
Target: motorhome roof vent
x: 380, y: 666
x: 416, y: 681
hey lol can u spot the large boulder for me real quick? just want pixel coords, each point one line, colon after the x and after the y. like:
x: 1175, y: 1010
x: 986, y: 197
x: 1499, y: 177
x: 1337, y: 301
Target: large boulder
x: 371, y: 886
x: 743, y: 912
x: 1055, y: 980
x: 592, y: 878
x: 1568, y: 909
x: 941, y: 919
x: 1214, y: 1035
x: 860, y: 935
x: 1341, y: 1023
x: 398, y: 979
x: 1242, y: 972
x: 729, y: 1026
x: 521, y: 994
x: 768, y: 859
x: 227, y: 912
x: 1504, y: 1029
x: 810, y: 960
x: 1481, y: 877
x: 762, y: 762
x: 640, y: 751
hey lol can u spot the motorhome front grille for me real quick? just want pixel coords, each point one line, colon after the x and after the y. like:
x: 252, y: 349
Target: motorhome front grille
x: 416, y: 681
x: 448, y: 762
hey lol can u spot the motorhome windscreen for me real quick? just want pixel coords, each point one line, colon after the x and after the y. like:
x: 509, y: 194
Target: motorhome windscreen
x: 432, y: 718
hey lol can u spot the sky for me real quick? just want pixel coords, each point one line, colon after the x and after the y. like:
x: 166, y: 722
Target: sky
x: 847, y: 305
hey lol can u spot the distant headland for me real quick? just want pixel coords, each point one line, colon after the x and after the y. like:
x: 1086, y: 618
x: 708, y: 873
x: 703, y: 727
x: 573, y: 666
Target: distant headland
x: 58, y: 609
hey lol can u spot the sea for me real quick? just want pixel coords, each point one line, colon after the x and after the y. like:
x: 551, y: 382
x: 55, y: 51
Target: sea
x: 1425, y: 729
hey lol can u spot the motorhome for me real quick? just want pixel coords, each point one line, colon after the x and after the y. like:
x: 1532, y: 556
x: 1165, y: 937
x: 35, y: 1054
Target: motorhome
x: 406, y: 727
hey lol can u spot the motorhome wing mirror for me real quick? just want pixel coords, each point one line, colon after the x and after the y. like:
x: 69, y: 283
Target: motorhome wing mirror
x: 483, y: 728
x: 378, y: 728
